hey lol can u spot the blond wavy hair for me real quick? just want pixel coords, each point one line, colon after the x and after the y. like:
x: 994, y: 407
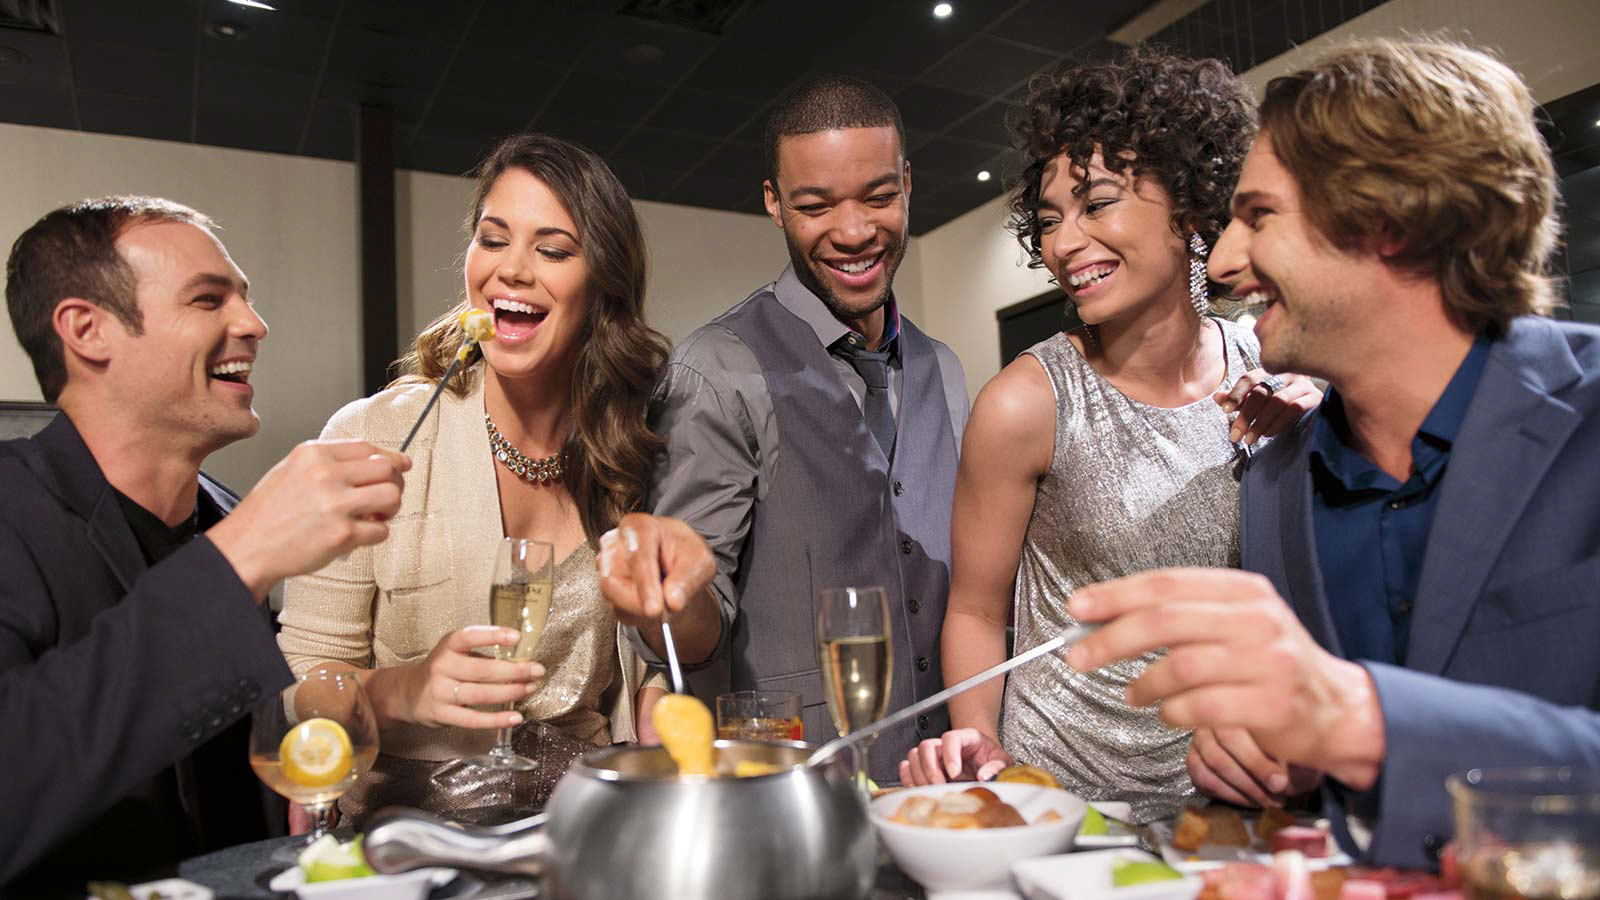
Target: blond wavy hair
x: 608, y: 457
x: 1434, y: 146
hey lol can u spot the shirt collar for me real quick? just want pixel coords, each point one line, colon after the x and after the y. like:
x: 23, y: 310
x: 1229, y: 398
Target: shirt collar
x: 800, y: 300
x: 1330, y: 441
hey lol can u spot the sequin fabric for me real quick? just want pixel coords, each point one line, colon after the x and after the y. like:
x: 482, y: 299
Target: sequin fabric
x: 1130, y: 488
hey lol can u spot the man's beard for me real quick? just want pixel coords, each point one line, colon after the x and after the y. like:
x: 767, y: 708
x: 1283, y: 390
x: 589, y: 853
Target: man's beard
x: 802, y: 264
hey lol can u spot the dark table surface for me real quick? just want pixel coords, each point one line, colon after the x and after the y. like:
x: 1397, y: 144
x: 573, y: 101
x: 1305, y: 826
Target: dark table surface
x: 243, y: 872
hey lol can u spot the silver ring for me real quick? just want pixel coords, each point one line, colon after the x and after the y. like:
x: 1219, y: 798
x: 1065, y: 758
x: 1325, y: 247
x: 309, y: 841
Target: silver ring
x: 455, y: 694
x: 1273, y: 384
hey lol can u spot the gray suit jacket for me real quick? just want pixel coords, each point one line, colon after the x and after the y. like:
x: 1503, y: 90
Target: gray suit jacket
x: 1504, y: 660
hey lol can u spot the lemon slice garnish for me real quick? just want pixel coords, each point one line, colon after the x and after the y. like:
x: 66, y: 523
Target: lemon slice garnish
x: 316, y: 753
x: 686, y: 730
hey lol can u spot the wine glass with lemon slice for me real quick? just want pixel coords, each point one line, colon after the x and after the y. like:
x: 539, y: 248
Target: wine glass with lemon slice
x: 311, y: 742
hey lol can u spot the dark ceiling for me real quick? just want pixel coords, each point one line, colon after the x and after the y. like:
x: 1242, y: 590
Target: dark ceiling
x: 672, y: 93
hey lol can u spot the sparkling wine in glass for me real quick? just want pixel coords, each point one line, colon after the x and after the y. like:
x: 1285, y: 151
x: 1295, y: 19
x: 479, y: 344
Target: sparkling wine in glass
x: 314, y: 740
x: 519, y: 599
x: 857, y: 659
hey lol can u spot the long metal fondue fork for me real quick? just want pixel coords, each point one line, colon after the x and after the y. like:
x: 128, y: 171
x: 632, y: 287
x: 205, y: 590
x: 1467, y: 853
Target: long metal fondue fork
x: 1064, y: 639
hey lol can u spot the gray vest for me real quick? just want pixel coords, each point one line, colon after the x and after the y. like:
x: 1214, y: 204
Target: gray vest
x: 836, y: 514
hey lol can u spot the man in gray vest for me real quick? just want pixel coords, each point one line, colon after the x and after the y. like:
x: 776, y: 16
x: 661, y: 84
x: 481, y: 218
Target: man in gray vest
x: 811, y: 436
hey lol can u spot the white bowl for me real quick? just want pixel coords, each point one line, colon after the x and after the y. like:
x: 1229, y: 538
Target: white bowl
x: 1087, y: 876
x: 945, y: 859
x: 412, y: 885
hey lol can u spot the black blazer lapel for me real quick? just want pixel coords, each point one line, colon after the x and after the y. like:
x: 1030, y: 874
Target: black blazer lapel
x: 1512, y: 432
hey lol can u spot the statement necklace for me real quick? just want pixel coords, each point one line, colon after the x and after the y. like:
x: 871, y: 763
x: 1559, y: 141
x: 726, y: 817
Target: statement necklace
x: 533, y: 471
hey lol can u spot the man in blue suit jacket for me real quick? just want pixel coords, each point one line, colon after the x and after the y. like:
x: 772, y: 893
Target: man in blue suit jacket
x: 1430, y: 537
x: 132, y: 639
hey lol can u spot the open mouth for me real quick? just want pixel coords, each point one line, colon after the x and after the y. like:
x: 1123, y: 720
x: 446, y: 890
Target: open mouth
x: 515, y: 319
x: 858, y: 271
x: 1090, y: 276
x: 233, y: 372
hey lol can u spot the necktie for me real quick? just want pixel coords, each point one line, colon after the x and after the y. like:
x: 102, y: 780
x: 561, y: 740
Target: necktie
x: 873, y: 367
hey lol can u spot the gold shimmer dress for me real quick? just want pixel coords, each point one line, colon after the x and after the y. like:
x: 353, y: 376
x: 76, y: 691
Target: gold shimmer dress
x: 390, y: 604
x: 1130, y: 488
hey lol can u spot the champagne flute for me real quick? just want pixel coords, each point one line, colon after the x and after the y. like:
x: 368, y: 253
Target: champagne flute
x: 857, y: 660
x: 519, y: 599
x: 314, y: 740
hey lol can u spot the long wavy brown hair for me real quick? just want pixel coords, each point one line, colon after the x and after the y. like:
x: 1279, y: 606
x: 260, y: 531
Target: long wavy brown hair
x: 608, y: 456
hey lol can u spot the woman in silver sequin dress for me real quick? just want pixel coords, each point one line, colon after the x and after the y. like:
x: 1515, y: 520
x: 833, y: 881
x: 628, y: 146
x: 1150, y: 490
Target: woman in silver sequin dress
x: 1106, y: 449
x: 556, y: 255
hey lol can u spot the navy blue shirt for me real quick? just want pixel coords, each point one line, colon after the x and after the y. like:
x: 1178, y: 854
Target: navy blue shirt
x: 1371, y: 529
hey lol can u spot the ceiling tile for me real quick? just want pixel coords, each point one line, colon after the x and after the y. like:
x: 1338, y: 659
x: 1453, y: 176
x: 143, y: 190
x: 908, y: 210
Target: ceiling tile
x: 113, y: 114
x: 737, y: 160
x: 753, y: 71
x: 132, y: 71
x: 277, y: 39
x: 21, y: 105
x: 386, y: 60
x: 471, y: 119
x: 273, y: 133
x: 540, y: 29
x: 167, y: 25
x: 599, y: 137
x: 415, y: 18
x: 488, y: 76
x: 696, y: 112
x: 606, y: 98
x: 408, y: 106
x: 1047, y: 25
x: 965, y: 193
x: 46, y: 65
x: 225, y: 85
x: 987, y: 66
x: 929, y: 108
x: 644, y: 182
x: 331, y: 133
x: 664, y: 150
x: 715, y: 191
x: 987, y: 125
x: 648, y: 51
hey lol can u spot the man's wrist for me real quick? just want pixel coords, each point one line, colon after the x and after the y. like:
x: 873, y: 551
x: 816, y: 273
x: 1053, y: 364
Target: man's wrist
x: 228, y: 543
x: 1355, y: 744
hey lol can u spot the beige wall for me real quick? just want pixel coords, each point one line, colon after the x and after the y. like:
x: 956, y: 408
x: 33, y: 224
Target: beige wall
x: 971, y: 269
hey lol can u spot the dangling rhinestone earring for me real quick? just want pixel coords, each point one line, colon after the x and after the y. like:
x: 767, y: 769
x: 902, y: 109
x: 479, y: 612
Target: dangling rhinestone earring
x: 1197, y: 276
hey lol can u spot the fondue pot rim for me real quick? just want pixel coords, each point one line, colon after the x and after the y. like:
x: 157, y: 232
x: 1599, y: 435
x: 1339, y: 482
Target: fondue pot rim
x: 589, y: 769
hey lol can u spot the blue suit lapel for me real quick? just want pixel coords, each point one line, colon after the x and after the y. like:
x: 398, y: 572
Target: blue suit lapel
x: 1512, y: 432
x: 1298, y: 536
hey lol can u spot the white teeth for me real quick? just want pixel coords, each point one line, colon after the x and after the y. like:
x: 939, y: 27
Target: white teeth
x: 239, y: 367
x: 1257, y: 298
x: 514, y: 306
x: 856, y: 268
x: 1090, y: 276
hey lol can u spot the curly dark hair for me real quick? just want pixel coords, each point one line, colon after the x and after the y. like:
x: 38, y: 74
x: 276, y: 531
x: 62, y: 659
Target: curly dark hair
x: 1187, y: 122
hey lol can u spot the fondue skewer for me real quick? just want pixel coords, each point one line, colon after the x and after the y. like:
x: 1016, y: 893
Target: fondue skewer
x: 479, y: 327
x: 1064, y: 639
x: 672, y: 656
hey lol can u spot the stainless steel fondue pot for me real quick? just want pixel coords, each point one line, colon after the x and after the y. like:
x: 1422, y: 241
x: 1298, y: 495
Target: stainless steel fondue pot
x: 623, y: 824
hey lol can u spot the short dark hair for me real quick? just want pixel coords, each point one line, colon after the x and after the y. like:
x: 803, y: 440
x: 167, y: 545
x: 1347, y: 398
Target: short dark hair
x: 828, y: 103
x: 72, y: 252
x: 1187, y: 123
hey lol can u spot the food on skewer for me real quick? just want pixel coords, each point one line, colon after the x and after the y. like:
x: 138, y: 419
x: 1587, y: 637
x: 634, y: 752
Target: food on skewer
x: 686, y: 729
x: 479, y: 327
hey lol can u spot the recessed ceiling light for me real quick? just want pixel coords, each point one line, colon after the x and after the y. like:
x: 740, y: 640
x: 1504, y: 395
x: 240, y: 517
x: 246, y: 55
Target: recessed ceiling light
x: 228, y: 31
x: 1597, y: 123
x: 254, y: 4
x: 940, y: 10
x: 984, y: 175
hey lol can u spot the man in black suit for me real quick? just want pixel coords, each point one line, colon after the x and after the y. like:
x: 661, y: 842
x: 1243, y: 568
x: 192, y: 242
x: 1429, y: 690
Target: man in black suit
x: 133, y: 641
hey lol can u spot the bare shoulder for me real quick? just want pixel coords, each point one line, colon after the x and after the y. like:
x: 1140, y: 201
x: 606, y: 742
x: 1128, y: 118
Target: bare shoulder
x: 1015, y: 414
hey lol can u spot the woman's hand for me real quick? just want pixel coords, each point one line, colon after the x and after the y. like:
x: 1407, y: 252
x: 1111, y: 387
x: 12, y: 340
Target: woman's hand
x: 442, y: 689
x: 1266, y: 404
x: 965, y: 754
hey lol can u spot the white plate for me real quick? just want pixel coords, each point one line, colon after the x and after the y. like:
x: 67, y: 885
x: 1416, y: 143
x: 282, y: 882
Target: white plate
x: 1214, y: 857
x: 1087, y: 876
x: 1118, y: 836
x: 172, y: 889
x: 416, y: 883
